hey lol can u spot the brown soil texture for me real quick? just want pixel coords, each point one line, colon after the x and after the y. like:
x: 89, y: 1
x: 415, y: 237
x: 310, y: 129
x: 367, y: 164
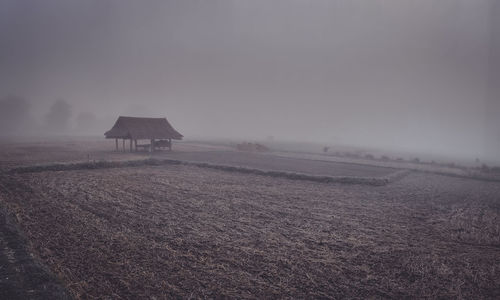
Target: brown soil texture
x: 21, y: 276
x: 179, y: 231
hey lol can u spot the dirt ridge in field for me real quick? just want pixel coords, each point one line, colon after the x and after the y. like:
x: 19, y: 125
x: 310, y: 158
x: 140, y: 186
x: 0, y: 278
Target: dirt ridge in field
x: 22, y: 276
x: 374, y: 181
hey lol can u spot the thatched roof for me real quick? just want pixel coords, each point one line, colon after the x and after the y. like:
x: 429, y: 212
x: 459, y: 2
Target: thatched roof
x: 142, y: 128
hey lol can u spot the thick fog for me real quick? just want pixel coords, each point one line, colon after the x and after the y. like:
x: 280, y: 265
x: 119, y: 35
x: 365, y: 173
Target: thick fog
x: 418, y: 75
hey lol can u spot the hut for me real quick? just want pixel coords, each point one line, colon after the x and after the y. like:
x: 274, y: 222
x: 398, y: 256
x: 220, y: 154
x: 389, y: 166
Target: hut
x: 157, y: 131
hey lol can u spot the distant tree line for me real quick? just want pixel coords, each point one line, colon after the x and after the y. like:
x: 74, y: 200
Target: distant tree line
x: 17, y: 117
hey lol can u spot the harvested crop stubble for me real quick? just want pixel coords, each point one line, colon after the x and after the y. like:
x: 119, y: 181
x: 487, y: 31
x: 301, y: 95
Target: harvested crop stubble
x: 180, y: 231
x: 21, y: 276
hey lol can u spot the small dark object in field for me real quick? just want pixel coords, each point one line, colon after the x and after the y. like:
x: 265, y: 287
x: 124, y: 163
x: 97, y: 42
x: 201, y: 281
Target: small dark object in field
x: 252, y: 147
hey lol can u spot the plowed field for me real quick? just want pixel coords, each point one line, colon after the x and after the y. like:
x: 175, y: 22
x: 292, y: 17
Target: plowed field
x: 184, y: 231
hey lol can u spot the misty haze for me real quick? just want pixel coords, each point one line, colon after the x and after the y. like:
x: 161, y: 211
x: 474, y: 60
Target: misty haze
x: 249, y: 149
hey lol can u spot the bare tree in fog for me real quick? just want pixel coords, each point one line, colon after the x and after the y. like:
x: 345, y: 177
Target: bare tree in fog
x: 59, y: 116
x: 15, y: 117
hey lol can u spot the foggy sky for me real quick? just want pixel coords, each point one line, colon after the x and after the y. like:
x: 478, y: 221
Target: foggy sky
x: 415, y: 75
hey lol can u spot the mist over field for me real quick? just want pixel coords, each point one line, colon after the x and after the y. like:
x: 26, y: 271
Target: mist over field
x: 406, y: 75
x: 249, y: 149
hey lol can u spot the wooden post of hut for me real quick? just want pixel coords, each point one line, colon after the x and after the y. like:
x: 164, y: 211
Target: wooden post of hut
x: 130, y: 144
x: 123, y: 145
x: 116, y: 144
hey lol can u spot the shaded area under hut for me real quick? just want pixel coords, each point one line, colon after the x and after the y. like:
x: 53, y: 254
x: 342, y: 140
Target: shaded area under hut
x: 157, y: 131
